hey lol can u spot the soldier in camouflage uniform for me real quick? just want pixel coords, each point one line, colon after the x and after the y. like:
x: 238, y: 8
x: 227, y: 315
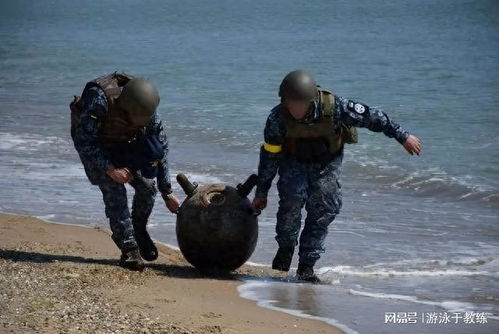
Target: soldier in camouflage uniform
x: 304, y: 138
x: 121, y: 139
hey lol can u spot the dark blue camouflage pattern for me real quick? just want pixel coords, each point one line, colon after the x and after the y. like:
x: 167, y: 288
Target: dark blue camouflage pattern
x: 312, y: 185
x: 116, y: 208
x: 97, y: 159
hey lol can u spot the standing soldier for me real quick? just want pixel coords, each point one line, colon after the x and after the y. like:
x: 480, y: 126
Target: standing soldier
x: 304, y: 138
x: 120, y: 139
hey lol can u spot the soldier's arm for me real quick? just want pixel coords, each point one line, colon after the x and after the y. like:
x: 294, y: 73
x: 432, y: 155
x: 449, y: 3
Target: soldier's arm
x: 86, y: 137
x: 357, y: 114
x: 163, y: 177
x: 270, y: 153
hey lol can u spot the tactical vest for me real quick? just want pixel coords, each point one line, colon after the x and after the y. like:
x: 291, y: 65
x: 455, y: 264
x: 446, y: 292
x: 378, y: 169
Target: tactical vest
x: 319, y: 140
x: 115, y: 128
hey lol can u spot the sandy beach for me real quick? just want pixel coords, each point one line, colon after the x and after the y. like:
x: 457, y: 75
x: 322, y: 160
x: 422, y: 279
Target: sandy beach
x: 58, y: 278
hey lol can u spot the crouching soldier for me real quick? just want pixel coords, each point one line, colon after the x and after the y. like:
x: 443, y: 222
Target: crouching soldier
x: 121, y: 139
x: 304, y: 139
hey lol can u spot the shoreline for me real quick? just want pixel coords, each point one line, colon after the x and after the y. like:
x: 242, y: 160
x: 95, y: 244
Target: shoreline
x: 42, y: 261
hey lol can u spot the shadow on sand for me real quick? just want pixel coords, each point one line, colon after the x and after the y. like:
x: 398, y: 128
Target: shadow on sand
x: 171, y: 270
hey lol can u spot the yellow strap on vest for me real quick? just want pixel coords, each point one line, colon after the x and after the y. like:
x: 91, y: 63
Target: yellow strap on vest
x: 272, y: 148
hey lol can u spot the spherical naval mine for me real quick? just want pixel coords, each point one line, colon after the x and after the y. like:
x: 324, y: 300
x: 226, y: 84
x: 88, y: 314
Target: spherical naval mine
x: 216, y: 228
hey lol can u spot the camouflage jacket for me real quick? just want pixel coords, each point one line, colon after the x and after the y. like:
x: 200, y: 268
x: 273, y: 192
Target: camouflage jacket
x: 97, y: 159
x: 346, y: 112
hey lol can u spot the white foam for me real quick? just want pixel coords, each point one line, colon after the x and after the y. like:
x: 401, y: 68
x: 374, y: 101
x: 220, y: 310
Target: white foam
x: 362, y: 272
x: 246, y: 290
x: 255, y: 264
x: 436, y: 175
x: 450, y: 305
x: 456, y: 261
x: 27, y: 141
x: 46, y: 218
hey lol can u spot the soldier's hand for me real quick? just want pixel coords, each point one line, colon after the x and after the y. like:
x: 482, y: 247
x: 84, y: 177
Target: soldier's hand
x: 172, y: 203
x: 413, y: 145
x: 120, y: 175
x: 259, y: 204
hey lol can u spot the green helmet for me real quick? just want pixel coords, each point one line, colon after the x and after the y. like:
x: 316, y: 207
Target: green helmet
x: 298, y: 85
x: 139, y: 98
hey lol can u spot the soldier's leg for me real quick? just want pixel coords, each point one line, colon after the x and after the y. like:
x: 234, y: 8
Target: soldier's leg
x: 323, y: 204
x: 115, y: 200
x: 143, y: 199
x: 143, y: 203
x: 292, y: 195
x: 292, y: 187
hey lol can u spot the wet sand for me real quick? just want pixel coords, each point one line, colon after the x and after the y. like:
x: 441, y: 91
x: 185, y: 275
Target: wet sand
x: 58, y: 278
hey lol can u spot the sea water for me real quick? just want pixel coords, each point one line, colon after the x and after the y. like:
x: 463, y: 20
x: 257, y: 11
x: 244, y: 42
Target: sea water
x: 415, y: 234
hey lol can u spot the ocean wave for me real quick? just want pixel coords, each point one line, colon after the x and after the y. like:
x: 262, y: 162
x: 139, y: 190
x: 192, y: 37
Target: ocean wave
x: 436, y: 181
x: 431, y: 182
x: 330, y: 273
x: 28, y: 142
x: 458, y: 261
x: 450, y: 305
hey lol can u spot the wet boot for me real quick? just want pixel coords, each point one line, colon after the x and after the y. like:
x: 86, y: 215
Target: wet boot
x: 148, y: 250
x: 305, y: 272
x: 132, y: 260
x: 282, y: 259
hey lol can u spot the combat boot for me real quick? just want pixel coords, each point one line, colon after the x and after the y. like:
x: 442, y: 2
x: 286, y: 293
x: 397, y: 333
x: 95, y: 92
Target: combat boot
x: 305, y: 272
x: 148, y: 250
x: 132, y: 260
x: 282, y: 259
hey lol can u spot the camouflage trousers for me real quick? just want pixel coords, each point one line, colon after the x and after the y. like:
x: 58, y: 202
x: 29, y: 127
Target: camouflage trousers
x: 116, y: 203
x: 316, y: 187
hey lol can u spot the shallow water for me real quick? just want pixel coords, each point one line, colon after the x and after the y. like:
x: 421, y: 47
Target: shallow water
x: 416, y: 234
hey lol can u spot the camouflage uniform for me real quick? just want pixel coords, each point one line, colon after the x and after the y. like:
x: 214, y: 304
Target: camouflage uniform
x: 97, y: 159
x: 314, y: 185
